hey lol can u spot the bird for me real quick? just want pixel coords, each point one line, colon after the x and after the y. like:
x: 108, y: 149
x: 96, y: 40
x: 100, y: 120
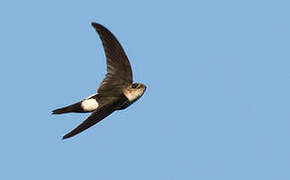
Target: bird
x: 116, y: 92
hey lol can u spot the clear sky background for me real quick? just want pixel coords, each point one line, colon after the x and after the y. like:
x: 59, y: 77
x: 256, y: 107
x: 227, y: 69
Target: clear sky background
x: 217, y: 100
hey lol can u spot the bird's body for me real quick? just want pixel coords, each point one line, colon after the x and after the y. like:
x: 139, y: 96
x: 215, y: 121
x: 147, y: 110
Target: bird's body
x: 116, y: 92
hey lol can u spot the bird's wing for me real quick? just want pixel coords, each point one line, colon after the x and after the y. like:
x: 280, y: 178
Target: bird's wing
x: 119, y: 73
x: 94, y: 118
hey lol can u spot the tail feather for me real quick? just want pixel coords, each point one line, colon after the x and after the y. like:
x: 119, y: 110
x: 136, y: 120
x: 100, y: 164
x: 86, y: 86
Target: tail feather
x: 71, y: 108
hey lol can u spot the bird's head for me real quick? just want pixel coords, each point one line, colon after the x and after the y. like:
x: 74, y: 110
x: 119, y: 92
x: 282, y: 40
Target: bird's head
x: 134, y: 91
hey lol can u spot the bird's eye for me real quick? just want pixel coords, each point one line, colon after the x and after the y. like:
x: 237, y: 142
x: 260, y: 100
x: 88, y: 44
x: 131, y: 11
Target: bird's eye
x: 135, y: 85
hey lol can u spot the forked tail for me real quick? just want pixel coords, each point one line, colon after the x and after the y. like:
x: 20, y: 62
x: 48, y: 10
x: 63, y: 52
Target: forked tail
x: 71, y: 108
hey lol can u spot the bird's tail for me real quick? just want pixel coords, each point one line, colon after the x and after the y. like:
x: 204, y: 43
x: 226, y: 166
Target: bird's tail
x: 71, y: 108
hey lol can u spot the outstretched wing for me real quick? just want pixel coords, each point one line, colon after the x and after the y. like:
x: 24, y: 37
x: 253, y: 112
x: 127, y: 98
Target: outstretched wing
x: 119, y: 73
x: 94, y: 118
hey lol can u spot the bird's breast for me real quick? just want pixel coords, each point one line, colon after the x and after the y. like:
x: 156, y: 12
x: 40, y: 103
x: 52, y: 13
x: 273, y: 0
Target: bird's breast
x: 124, y: 105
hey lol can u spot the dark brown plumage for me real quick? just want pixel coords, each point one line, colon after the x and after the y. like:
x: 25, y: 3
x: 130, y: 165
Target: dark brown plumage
x: 116, y: 91
x: 119, y: 72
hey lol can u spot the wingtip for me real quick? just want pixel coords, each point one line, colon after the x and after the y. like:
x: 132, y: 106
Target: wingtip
x: 55, y: 112
x: 94, y: 24
x: 65, y: 137
x: 68, y: 135
x: 97, y: 25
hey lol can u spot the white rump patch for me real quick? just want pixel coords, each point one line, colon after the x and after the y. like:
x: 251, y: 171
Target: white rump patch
x: 89, y: 104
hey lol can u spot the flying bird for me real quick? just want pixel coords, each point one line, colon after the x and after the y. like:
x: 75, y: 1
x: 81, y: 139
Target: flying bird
x: 116, y: 92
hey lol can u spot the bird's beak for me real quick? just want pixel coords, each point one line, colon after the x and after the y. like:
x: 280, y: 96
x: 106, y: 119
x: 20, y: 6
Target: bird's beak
x: 144, y: 87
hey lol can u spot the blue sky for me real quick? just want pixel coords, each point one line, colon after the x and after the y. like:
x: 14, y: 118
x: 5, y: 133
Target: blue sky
x: 217, y: 99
